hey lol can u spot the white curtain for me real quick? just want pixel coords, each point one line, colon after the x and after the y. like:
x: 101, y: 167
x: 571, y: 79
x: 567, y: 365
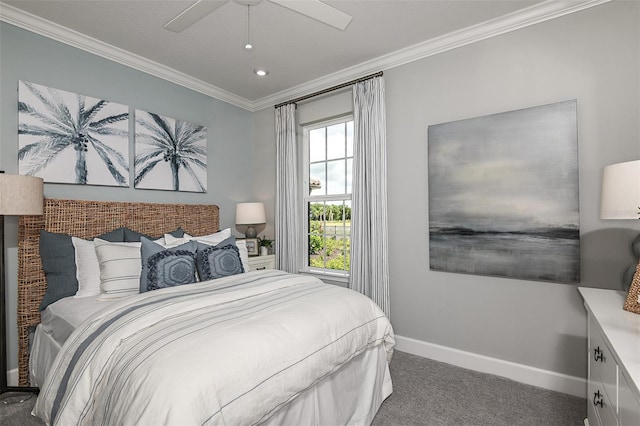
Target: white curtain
x: 369, y: 235
x: 287, y: 191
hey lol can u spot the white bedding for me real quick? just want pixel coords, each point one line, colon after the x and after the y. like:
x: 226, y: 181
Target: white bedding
x: 44, y: 350
x: 229, y: 351
x: 58, y: 320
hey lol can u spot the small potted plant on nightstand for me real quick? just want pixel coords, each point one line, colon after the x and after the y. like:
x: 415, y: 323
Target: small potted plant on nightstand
x: 265, y: 245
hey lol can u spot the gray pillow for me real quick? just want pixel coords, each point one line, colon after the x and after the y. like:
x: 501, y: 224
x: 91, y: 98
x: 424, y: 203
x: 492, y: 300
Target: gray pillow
x: 115, y: 236
x: 59, y: 265
x: 166, y: 267
x: 221, y: 260
x: 131, y: 236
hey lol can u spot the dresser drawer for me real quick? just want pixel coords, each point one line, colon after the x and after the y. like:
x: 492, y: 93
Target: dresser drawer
x: 629, y: 413
x: 258, y: 263
x: 600, y: 410
x: 592, y: 409
x: 602, y: 364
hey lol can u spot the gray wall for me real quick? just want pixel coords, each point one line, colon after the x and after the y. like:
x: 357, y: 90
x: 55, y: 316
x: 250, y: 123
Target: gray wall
x: 26, y: 56
x: 592, y: 56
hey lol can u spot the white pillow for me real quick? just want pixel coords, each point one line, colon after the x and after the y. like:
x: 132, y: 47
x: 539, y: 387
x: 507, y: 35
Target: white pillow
x: 120, y: 268
x: 244, y: 254
x: 170, y: 241
x: 87, y: 268
x: 212, y: 239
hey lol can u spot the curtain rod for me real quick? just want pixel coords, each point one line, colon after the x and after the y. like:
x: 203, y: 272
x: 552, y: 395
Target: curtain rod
x: 330, y: 89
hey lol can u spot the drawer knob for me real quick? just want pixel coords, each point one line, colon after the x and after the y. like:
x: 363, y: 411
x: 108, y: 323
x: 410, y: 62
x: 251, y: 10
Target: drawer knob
x: 262, y: 268
x: 598, y: 355
x: 597, y: 399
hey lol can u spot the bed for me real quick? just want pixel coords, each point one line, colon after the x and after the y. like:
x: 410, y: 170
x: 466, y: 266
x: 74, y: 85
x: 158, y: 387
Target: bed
x: 263, y: 347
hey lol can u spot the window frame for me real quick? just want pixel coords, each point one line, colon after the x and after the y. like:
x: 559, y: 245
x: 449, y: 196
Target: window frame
x: 331, y: 274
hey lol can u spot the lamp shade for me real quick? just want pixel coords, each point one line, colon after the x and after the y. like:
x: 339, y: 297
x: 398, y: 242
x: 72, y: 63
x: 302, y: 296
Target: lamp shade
x: 621, y: 191
x: 20, y: 195
x: 250, y: 214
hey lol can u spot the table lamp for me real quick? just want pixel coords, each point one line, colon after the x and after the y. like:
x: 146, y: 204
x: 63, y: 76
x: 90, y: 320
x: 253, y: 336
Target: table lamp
x: 250, y: 214
x: 621, y: 200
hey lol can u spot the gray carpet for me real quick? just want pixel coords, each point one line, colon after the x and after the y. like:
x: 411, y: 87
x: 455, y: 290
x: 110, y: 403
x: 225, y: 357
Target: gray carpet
x: 427, y: 392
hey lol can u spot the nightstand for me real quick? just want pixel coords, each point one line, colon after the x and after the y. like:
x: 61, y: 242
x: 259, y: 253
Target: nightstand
x: 257, y: 263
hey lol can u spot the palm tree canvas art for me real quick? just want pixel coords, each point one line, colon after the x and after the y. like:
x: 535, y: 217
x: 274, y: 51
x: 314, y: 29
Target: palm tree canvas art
x: 64, y: 137
x: 170, y: 154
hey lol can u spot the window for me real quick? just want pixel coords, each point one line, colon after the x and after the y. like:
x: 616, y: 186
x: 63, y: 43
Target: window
x: 328, y: 158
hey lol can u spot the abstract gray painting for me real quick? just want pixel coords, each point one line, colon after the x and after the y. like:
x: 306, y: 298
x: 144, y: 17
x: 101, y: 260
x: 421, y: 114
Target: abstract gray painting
x: 170, y: 154
x: 503, y: 195
x: 69, y: 138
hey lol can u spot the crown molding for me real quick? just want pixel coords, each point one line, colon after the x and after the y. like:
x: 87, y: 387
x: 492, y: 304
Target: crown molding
x: 35, y: 24
x: 532, y: 15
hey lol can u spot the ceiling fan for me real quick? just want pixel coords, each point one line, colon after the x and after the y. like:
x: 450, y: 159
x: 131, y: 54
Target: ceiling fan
x: 314, y: 9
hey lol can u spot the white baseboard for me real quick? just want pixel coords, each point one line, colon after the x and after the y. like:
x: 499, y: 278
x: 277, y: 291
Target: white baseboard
x: 519, y: 372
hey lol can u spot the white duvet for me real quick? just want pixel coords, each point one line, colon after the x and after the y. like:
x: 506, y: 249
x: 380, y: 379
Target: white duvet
x: 230, y: 351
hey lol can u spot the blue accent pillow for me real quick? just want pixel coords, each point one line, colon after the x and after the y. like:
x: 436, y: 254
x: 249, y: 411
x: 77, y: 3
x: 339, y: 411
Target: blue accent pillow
x: 166, y: 267
x: 59, y: 266
x: 221, y: 260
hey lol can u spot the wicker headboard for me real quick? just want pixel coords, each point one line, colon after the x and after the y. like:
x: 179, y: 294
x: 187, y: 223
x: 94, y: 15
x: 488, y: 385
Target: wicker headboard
x: 86, y: 219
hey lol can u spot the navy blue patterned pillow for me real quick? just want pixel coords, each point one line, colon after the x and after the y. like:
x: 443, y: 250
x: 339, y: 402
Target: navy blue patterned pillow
x: 163, y: 267
x: 221, y: 260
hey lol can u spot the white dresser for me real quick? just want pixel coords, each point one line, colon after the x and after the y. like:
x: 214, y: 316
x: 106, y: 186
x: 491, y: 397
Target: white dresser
x: 613, y: 389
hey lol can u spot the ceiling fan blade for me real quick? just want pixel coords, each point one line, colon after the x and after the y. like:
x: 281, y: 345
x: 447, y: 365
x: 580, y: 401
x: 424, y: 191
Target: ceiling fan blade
x: 317, y: 10
x: 192, y: 14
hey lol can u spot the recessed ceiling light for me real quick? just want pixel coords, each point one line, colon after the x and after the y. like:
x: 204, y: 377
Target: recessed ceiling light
x: 261, y: 73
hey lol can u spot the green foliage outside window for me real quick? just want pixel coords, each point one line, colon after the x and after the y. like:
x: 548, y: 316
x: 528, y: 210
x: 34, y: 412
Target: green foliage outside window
x: 330, y: 236
x: 329, y: 212
x: 316, y: 242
